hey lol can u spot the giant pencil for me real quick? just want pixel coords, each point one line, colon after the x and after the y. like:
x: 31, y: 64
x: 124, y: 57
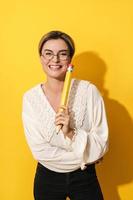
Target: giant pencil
x: 65, y: 91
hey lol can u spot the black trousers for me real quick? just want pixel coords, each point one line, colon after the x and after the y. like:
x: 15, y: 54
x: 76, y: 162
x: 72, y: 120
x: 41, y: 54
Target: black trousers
x: 77, y: 185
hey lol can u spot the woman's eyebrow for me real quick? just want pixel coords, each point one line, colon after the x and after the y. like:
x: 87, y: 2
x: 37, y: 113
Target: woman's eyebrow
x: 48, y: 50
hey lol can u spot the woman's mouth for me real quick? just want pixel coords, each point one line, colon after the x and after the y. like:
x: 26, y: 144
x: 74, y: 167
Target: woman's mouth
x: 55, y: 67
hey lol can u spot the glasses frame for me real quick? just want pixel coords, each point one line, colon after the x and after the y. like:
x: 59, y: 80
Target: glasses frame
x: 57, y: 55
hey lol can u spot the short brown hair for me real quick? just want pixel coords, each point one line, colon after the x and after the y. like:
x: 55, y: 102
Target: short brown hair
x: 57, y: 35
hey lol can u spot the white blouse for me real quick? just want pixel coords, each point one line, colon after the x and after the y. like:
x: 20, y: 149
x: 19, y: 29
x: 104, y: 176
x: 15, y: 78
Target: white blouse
x: 88, y: 118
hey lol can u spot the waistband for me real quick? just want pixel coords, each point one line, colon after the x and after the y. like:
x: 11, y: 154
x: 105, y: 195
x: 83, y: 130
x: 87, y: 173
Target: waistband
x: 44, y: 169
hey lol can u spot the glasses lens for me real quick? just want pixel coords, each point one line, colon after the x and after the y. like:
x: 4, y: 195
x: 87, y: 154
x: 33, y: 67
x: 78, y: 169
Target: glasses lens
x: 48, y: 55
x: 63, y: 55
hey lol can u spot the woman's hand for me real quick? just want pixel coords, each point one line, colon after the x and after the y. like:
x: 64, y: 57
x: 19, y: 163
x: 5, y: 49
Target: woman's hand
x: 63, y: 118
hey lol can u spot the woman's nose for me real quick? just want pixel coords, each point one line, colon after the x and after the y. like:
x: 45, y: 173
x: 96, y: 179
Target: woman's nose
x: 55, y: 58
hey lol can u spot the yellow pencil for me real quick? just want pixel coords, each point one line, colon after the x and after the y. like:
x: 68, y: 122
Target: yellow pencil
x: 65, y: 91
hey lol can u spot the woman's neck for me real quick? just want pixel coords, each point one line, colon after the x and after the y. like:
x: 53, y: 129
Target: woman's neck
x: 54, y: 86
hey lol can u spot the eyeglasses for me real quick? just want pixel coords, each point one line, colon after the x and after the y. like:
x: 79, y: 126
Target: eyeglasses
x: 62, y: 54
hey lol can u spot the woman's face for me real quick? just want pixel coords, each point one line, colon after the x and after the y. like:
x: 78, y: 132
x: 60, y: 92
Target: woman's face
x: 55, y: 58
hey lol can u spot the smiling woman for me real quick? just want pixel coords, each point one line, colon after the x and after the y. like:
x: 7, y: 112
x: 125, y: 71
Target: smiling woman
x: 66, y: 161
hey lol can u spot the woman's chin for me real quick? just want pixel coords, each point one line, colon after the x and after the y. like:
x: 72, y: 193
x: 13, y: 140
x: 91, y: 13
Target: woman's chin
x: 57, y: 76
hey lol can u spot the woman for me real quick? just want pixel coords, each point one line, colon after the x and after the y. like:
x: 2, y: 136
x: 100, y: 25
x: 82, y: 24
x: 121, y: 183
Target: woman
x: 66, y: 161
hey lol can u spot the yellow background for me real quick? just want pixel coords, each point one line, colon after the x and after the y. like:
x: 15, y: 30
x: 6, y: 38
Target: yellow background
x: 103, y: 33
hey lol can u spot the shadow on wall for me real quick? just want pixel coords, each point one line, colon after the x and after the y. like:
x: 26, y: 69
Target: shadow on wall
x: 116, y: 168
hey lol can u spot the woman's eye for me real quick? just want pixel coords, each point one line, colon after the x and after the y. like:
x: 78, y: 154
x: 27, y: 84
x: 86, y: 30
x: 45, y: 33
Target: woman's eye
x: 63, y: 54
x: 48, y: 53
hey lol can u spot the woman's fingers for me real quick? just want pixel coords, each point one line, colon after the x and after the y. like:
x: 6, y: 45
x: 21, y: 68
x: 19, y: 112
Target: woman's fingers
x: 62, y: 117
x: 62, y: 120
x: 60, y: 114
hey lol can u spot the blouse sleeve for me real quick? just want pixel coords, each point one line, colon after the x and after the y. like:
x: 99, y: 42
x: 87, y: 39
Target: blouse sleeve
x: 94, y: 141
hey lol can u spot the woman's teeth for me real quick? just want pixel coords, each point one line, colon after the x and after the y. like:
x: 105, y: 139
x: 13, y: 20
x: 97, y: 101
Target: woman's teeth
x: 55, y: 67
